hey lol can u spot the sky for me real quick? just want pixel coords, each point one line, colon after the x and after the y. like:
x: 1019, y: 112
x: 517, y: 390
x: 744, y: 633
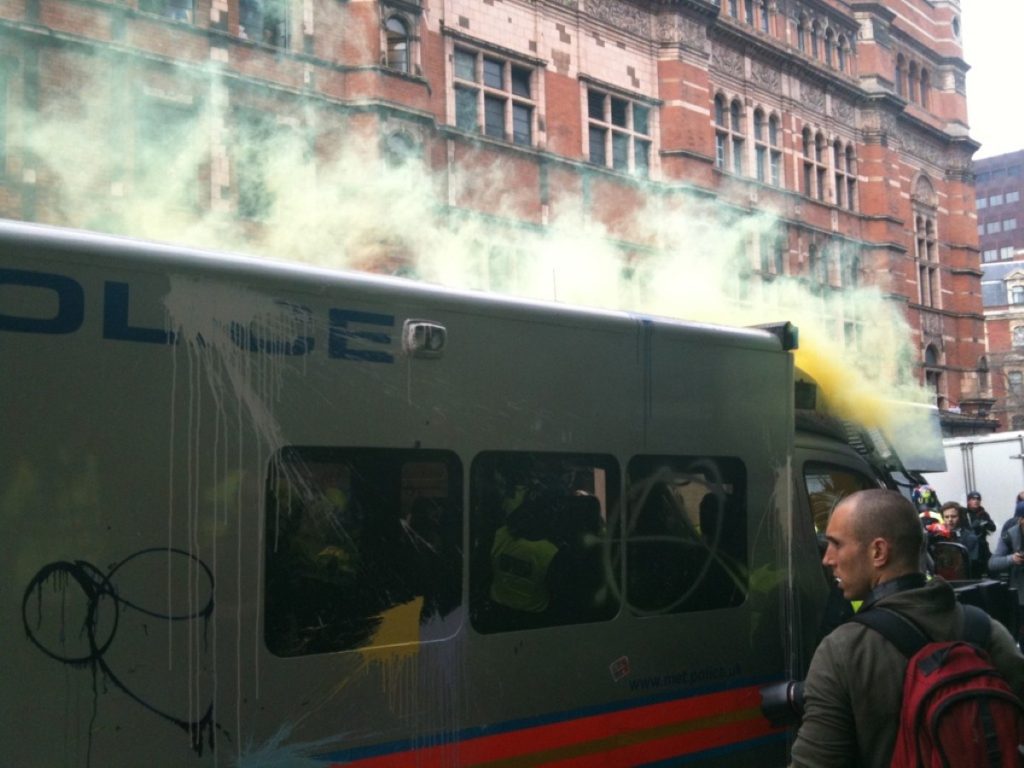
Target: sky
x: 991, y: 38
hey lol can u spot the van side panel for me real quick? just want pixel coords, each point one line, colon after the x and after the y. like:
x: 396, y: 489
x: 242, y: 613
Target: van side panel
x: 152, y: 399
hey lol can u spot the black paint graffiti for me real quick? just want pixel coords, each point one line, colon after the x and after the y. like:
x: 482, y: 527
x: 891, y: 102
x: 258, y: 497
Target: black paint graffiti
x: 103, y: 610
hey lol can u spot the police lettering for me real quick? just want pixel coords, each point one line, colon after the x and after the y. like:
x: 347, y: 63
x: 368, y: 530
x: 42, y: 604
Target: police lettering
x: 55, y: 304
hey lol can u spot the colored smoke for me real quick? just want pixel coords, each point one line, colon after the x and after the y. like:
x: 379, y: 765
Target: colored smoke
x: 348, y: 204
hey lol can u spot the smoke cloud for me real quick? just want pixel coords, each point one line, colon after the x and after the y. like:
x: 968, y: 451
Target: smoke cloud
x: 198, y: 170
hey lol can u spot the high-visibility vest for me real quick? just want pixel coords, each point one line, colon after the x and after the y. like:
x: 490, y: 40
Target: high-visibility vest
x: 519, y: 568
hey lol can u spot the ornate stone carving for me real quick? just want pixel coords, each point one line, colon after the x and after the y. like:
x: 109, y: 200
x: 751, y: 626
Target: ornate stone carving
x: 920, y: 147
x: 727, y: 60
x: 765, y: 75
x: 958, y: 161
x: 843, y: 110
x: 673, y: 28
x: 620, y: 14
x: 813, y: 97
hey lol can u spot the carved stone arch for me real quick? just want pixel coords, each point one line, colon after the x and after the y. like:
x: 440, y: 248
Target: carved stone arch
x: 924, y: 192
x: 720, y: 103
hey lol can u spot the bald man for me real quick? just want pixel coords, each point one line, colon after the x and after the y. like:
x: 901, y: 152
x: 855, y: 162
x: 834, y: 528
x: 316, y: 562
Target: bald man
x: 854, y: 687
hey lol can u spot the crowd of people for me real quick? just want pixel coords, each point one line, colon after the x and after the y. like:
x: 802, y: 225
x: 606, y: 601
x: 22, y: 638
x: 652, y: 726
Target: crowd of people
x: 968, y: 527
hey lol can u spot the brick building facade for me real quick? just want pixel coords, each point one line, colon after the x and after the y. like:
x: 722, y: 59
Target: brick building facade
x: 846, y: 120
x: 1000, y: 183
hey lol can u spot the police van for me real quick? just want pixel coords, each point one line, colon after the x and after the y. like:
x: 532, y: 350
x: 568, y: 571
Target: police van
x: 265, y: 514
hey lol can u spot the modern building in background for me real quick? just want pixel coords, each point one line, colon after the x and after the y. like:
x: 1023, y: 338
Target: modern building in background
x: 1000, y: 183
x: 847, y: 120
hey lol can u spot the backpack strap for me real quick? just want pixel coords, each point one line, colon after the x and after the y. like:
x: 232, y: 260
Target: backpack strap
x: 977, y: 627
x: 898, y: 630
x: 909, y: 639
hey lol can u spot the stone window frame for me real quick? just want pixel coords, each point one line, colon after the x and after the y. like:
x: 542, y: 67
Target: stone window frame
x: 844, y: 173
x: 926, y: 242
x: 626, y: 122
x: 278, y: 32
x: 764, y: 21
x: 394, y: 40
x: 175, y: 10
x: 814, y: 163
x: 1014, y: 283
x: 772, y: 249
x: 730, y: 137
x: 766, y: 133
x: 486, y: 95
x: 912, y: 80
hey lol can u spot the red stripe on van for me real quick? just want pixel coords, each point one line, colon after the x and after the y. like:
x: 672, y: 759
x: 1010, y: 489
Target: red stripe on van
x: 625, y: 737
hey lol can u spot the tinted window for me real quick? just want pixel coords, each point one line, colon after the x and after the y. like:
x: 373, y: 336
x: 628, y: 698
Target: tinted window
x: 363, y: 548
x: 686, y: 534
x: 542, y: 531
x: 827, y: 485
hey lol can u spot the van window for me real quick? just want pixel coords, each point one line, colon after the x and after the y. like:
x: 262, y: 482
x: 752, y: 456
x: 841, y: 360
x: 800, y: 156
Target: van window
x: 363, y: 548
x: 686, y: 534
x: 544, y: 540
x: 827, y: 485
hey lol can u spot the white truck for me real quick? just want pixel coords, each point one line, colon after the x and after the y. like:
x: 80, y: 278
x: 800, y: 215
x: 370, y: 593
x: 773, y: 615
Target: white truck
x: 992, y: 465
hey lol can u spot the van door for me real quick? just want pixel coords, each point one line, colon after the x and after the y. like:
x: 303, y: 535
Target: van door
x: 825, y: 472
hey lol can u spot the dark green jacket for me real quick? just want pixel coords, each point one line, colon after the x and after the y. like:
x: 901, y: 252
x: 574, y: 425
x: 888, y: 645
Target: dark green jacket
x: 855, y: 684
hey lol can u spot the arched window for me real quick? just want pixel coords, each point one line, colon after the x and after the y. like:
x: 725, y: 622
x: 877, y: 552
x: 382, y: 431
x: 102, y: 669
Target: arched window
x: 760, y: 148
x: 397, y: 44
x: 819, y: 161
x: 736, y: 114
x: 774, y: 151
x: 925, y: 87
x: 721, y: 132
x: 808, y: 161
x: 815, y: 34
x: 838, y: 164
x: 801, y: 34
x: 764, y: 15
x: 813, y: 262
x: 898, y: 77
x: 851, y: 178
x: 830, y: 47
x: 734, y: 9
x: 912, y: 81
x: 748, y: 12
x: 841, y: 53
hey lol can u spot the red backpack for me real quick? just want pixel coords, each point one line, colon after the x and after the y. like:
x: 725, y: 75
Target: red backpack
x: 958, y: 711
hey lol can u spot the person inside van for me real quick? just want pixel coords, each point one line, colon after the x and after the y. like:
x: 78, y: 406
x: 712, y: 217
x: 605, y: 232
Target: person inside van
x: 523, y: 565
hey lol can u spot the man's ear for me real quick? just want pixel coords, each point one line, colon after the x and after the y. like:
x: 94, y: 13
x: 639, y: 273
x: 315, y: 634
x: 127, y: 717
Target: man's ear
x: 879, y: 551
